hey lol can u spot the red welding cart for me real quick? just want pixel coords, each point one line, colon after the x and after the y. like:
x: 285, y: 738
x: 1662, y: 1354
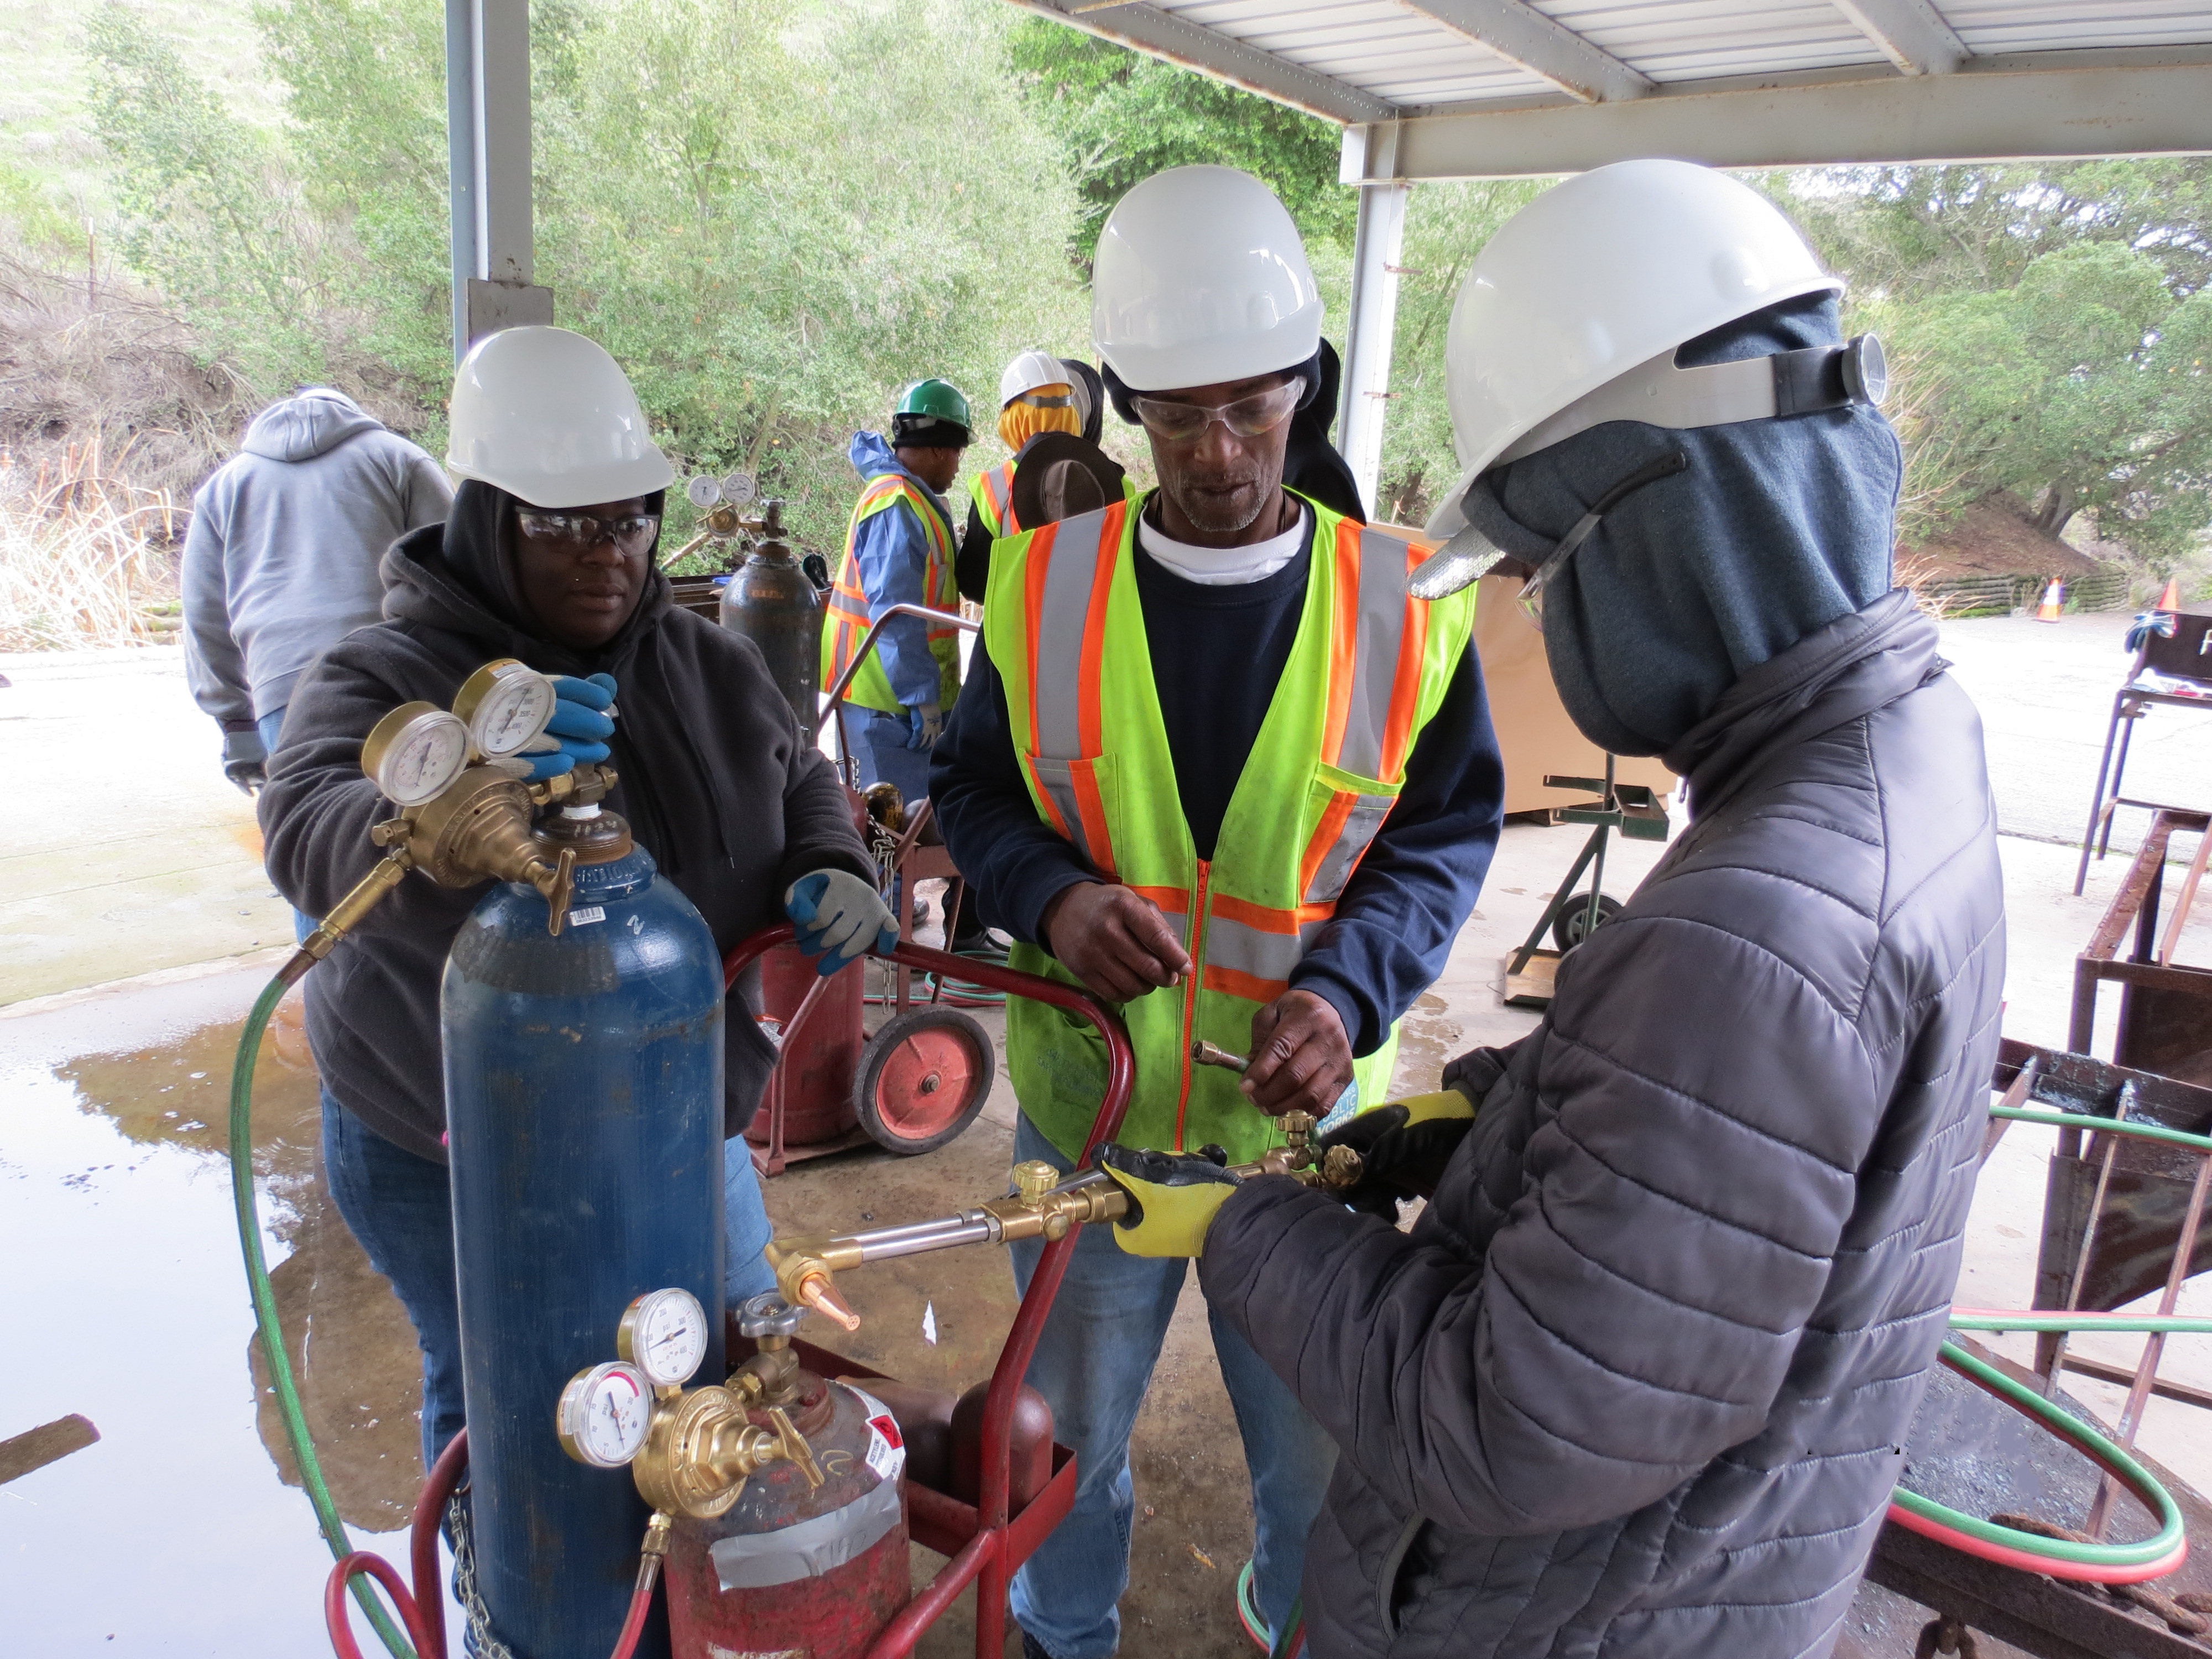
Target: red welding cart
x: 987, y: 1540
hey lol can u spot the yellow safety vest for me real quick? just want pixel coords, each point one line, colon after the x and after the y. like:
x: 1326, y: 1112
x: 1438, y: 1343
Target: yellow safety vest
x: 846, y: 623
x: 1366, y: 672
x: 993, y: 493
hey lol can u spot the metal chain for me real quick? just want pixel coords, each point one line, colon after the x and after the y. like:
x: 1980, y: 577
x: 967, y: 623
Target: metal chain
x: 480, y: 1643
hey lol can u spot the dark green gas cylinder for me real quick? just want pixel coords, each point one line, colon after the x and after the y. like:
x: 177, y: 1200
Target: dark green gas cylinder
x: 772, y: 603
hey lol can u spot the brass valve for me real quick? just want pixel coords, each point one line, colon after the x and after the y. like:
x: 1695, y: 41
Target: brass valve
x: 703, y: 1447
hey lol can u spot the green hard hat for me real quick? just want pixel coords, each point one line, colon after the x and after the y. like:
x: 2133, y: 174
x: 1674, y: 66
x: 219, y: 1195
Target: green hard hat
x: 937, y: 400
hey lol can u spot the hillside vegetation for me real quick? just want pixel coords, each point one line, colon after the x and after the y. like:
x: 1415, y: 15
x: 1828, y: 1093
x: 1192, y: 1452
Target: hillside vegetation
x: 775, y: 212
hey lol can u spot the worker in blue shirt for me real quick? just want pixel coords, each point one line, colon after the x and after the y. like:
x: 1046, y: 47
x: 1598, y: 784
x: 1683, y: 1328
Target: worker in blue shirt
x: 899, y: 551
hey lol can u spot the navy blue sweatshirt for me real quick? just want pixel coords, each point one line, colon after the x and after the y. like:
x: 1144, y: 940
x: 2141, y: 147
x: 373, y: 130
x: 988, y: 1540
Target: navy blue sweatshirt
x: 1217, y: 654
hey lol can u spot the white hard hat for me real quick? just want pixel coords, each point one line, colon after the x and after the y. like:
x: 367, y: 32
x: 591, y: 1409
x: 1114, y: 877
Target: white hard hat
x: 546, y: 415
x: 1200, y: 276
x: 1028, y: 372
x: 1591, y: 282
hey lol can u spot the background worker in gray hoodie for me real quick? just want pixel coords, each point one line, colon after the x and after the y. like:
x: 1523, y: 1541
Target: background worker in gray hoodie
x: 281, y: 561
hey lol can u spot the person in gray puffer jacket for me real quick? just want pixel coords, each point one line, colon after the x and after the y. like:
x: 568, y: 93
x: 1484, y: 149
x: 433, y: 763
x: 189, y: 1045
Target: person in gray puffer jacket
x: 281, y: 561
x: 1638, y: 1381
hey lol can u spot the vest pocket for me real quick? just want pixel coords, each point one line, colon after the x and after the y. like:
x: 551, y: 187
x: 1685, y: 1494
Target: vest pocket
x: 1073, y: 793
x: 1349, y: 811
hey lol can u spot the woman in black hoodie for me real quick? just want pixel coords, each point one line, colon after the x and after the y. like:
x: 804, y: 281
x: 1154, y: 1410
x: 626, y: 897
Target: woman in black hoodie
x: 716, y: 781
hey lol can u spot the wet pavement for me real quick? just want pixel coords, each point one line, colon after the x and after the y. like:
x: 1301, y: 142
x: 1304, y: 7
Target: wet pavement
x: 124, y: 1287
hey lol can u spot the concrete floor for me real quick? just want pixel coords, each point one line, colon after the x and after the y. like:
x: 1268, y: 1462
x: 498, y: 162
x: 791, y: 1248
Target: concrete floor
x: 114, y: 1210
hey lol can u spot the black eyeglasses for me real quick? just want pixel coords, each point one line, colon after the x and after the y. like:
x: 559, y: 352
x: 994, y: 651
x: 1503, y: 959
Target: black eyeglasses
x: 633, y: 532
x: 1549, y: 567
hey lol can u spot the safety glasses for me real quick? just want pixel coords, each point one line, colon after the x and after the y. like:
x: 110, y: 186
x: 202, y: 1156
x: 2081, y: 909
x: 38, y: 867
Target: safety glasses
x: 1247, y: 417
x: 576, y: 533
x: 1548, y: 568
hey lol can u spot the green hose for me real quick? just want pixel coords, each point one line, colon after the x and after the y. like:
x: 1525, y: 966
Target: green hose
x: 271, y: 1331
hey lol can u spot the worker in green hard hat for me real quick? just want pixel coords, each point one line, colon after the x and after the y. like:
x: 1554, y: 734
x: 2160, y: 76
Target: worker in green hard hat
x: 898, y: 550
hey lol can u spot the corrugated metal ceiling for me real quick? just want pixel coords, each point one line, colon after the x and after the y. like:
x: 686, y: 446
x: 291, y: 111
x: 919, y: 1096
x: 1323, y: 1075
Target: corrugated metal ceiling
x: 1405, y: 53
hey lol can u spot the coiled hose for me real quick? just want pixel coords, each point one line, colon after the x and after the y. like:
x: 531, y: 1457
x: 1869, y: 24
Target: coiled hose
x: 2057, y: 1558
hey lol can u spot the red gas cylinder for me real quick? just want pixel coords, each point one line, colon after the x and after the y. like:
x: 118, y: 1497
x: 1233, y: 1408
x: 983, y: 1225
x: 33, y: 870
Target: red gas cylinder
x: 792, y: 1569
x: 817, y: 1076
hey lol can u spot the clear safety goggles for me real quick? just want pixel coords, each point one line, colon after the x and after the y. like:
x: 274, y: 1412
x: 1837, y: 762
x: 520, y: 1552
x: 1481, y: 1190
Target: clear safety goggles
x: 1247, y: 417
x: 576, y: 533
x: 1548, y: 568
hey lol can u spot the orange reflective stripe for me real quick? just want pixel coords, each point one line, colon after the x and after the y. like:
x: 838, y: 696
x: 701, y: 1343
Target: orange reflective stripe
x: 1230, y: 982
x: 1413, y: 647
x: 1093, y: 809
x: 1173, y: 900
x: 1035, y: 568
x: 1090, y: 719
x: 1324, y: 837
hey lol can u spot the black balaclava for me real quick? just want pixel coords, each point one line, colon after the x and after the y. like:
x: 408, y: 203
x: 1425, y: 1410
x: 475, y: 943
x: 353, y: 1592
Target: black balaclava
x: 478, y: 550
x: 1311, y: 465
x: 1777, y: 527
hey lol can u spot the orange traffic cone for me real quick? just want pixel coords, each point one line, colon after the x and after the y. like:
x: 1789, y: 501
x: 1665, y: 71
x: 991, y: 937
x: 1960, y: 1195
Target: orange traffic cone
x: 2171, y: 599
x: 2054, y: 601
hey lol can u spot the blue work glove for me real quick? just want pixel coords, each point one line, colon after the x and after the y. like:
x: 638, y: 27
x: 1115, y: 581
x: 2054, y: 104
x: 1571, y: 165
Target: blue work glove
x: 840, y: 918
x: 580, y: 728
x: 924, y: 722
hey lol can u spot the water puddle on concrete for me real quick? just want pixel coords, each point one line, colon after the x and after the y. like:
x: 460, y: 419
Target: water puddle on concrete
x: 124, y: 1299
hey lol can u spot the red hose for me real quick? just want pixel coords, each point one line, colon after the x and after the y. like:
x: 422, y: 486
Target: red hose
x: 339, y: 1617
x: 423, y: 1541
x: 640, y: 1602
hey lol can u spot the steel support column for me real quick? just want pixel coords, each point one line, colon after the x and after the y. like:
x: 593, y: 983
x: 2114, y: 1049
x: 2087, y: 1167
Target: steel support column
x: 1373, y: 322
x: 488, y: 151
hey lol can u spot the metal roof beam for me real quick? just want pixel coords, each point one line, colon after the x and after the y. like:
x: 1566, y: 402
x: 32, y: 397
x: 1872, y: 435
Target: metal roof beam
x: 1522, y: 34
x: 2156, y: 101
x: 1912, y: 31
x: 1161, y: 34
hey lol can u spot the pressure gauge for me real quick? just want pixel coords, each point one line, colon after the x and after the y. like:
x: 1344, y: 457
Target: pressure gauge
x: 505, y: 706
x: 1866, y: 370
x: 737, y: 487
x: 604, y: 1414
x: 703, y: 492
x: 664, y: 1334
x: 414, y: 752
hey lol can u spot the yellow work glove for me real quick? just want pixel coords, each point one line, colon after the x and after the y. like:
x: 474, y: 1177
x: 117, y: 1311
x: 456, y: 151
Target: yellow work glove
x: 1173, y: 1198
x: 1403, y: 1147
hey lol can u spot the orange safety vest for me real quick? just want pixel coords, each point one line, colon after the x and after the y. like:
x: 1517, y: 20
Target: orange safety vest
x: 845, y: 623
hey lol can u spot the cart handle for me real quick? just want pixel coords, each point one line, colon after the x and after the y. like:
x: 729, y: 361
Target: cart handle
x: 843, y: 683
x: 1044, y: 1284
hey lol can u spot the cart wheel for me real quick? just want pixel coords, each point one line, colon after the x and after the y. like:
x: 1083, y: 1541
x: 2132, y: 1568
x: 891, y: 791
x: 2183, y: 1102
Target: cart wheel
x: 1572, y: 924
x: 923, y: 1079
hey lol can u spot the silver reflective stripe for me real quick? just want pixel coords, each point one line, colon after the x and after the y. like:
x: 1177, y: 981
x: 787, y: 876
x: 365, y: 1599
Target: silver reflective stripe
x: 1375, y: 666
x: 1255, y: 950
x: 1057, y: 779
x: 1336, y: 864
x: 1067, y: 608
x: 755, y: 1560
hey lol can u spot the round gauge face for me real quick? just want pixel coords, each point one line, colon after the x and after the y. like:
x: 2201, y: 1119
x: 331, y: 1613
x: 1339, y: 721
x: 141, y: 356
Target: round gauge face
x: 737, y: 487
x: 703, y: 492
x: 664, y: 1333
x: 414, y: 752
x: 606, y: 1413
x: 512, y: 712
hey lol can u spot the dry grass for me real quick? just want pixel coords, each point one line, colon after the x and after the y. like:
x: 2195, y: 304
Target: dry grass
x: 84, y: 555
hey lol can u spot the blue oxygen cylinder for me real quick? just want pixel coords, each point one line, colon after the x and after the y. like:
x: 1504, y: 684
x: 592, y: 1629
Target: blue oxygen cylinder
x: 584, y: 1118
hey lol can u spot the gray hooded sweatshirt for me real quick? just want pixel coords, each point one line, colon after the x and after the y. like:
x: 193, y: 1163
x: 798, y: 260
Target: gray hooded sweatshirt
x: 281, y: 561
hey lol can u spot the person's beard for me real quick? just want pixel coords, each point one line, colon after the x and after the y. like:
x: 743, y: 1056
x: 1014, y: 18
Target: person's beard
x: 1222, y: 504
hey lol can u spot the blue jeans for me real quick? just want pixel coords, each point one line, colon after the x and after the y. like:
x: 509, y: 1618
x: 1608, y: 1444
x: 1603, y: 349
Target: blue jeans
x: 400, y: 1207
x: 1093, y: 1365
x: 878, y: 739
x: 267, y: 727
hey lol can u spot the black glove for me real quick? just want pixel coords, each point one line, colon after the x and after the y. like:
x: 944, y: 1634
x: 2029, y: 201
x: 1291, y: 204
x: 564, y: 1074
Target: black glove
x: 1403, y: 1147
x: 245, y: 761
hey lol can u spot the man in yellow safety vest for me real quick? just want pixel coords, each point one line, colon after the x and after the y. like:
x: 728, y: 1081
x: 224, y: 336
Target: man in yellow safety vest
x: 1215, y: 763
x: 898, y: 550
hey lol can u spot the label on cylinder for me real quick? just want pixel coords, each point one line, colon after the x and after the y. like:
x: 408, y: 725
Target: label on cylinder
x: 584, y: 915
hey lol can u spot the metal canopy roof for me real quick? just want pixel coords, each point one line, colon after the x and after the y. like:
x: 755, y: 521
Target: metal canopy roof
x: 1463, y: 88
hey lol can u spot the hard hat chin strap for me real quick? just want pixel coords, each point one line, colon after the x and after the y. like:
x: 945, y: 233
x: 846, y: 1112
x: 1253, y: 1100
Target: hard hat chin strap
x: 1657, y: 393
